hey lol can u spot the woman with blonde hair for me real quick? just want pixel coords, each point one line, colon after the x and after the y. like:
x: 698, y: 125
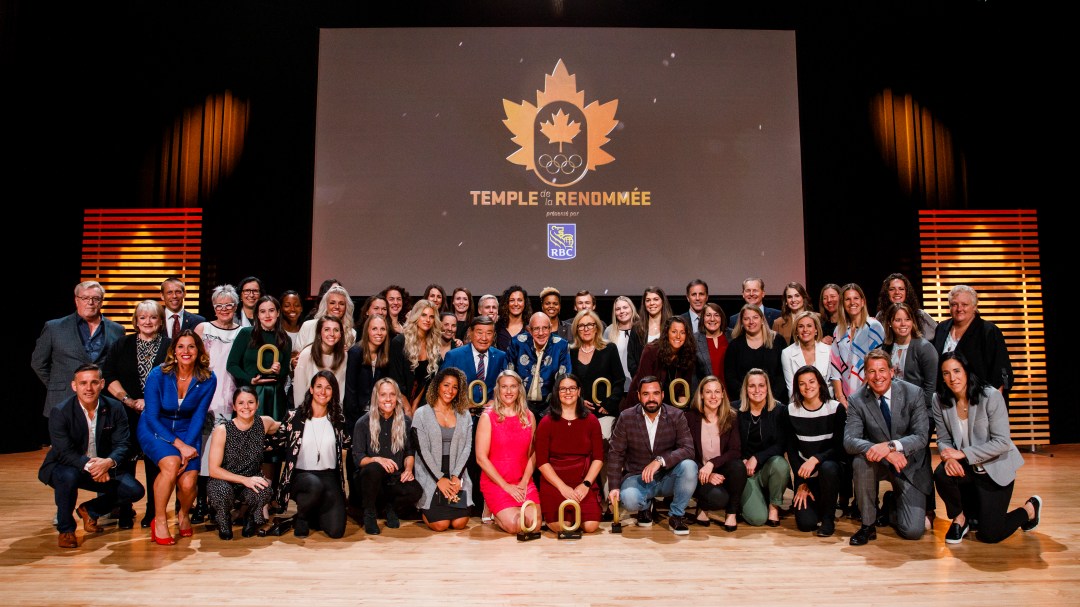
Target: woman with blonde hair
x: 856, y: 334
x: 415, y: 353
x: 383, y: 453
x: 806, y: 349
x: 763, y: 439
x: 336, y: 302
x: 714, y: 426
x: 621, y: 332
x: 504, y: 451
x: 754, y: 345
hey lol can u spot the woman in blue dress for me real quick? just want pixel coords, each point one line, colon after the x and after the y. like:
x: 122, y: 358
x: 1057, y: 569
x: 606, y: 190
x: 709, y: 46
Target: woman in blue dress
x: 177, y: 396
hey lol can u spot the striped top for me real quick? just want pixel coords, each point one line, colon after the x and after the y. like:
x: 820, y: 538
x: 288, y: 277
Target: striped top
x: 818, y: 433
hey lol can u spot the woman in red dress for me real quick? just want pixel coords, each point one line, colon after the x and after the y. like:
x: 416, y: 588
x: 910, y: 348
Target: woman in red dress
x: 569, y: 454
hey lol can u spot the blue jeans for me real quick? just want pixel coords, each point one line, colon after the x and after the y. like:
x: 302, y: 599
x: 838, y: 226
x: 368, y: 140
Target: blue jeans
x: 66, y: 481
x: 678, y: 483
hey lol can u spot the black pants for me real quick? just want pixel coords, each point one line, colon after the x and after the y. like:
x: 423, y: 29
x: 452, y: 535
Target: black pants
x: 726, y: 495
x: 320, y: 500
x: 979, y: 497
x: 473, y: 467
x: 382, y: 488
x: 824, y: 488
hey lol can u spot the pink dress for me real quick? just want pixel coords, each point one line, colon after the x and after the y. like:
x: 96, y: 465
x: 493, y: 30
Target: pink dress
x: 509, y: 453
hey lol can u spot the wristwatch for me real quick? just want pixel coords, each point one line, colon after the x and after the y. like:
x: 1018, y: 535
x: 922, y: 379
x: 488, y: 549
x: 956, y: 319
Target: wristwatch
x: 587, y: 483
x: 659, y: 460
x: 892, y: 447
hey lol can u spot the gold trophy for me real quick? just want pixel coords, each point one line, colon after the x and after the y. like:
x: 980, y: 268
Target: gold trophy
x: 686, y: 392
x: 483, y: 393
x: 264, y: 370
x: 616, y: 526
x: 527, y: 534
x: 596, y: 398
x: 570, y: 532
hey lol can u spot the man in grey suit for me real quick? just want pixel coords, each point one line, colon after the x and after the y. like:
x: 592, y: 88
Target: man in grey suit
x: 69, y: 342
x: 887, y: 431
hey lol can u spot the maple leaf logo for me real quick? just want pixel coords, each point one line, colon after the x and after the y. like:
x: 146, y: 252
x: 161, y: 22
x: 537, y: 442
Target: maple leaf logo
x: 561, y: 129
x: 595, y: 120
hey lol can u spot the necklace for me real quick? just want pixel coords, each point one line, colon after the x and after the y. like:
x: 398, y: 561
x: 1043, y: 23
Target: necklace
x: 587, y: 349
x: 178, y: 378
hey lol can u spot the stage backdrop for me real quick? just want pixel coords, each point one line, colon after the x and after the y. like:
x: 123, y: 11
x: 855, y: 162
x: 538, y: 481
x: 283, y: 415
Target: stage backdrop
x: 606, y: 159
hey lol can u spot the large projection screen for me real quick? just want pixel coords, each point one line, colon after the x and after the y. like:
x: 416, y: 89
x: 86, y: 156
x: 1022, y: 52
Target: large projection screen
x: 601, y: 159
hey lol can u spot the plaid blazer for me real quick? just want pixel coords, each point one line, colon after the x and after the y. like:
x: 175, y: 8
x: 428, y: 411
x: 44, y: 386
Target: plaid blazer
x: 629, y: 451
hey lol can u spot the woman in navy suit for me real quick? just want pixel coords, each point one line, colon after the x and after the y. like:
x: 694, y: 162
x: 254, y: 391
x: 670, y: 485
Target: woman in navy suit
x: 978, y: 458
x: 177, y: 397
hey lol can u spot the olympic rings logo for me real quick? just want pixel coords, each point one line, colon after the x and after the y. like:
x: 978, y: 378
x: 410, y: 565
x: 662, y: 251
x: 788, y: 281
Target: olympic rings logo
x: 560, y: 163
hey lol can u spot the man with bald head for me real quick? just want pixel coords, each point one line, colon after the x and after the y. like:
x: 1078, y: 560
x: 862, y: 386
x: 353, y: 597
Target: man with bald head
x: 539, y: 357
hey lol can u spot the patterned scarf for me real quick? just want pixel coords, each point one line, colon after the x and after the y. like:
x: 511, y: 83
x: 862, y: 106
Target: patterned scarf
x: 146, y: 351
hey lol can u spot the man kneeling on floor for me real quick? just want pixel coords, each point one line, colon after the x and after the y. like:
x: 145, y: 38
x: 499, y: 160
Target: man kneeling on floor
x: 651, y: 455
x: 90, y: 437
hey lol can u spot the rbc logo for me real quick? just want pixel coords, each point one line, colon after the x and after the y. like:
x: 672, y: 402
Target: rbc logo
x: 562, y: 240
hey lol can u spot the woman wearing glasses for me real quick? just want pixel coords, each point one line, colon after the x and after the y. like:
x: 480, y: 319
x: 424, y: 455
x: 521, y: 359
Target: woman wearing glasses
x: 592, y: 359
x: 569, y: 454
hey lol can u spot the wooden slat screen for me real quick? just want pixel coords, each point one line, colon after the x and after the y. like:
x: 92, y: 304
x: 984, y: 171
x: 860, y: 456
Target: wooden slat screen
x: 130, y: 251
x: 997, y: 254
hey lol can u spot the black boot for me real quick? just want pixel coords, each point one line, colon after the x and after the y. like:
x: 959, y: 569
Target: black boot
x: 371, y: 524
x: 201, y: 510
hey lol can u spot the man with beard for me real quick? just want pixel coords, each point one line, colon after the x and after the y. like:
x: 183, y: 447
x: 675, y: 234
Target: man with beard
x: 652, y: 455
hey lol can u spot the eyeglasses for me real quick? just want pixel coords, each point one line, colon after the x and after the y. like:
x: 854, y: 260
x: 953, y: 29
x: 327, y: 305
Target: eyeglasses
x: 89, y: 300
x: 568, y: 389
x: 587, y: 326
x: 227, y: 306
x: 546, y: 329
x: 251, y: 291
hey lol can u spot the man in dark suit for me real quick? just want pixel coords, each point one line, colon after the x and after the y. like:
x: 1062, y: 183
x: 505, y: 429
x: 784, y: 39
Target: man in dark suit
x: 71, y: 341
x: 697, y: 295
x: 887, y: 432
x: 583, y: 300
x: 652, y: 454
x: 538, y: 357
x: 469, y: 358
x: 176, y: 317
x: 753, y: 293
x: 90, y: 438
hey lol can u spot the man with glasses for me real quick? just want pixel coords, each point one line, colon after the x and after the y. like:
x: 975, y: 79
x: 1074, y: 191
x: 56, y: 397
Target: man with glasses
x: 176, y: 317
x: 71, y: 341
x: 539, y: 357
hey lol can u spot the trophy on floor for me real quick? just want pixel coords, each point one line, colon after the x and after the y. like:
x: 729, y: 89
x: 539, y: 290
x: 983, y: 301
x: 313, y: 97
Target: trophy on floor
x: 672, y: 395
x: 527, y: 534
x: 616, y: 526
x: 570, y: 532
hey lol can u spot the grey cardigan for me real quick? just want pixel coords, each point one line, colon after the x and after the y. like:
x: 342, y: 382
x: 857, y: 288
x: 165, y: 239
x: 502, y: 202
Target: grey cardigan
x: 429, y: 452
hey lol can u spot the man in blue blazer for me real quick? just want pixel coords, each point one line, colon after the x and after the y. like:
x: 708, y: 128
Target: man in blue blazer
x: 468, y: 358
x: 538, y: 357
x: 69, y: 342
x: 753, y: 293
x: 480, y: 351
x: 75, y: 462
x: 887, y: 431
x: 172, y: 295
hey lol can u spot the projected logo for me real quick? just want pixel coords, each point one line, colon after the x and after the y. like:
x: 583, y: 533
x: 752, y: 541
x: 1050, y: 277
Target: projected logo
x: 560, y: 137
x: 562, y: 240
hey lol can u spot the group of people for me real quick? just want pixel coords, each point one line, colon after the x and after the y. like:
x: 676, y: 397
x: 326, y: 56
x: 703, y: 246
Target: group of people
x: 440, y: 411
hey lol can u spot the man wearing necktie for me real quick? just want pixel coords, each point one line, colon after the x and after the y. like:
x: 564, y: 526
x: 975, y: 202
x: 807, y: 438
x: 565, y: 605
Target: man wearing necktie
x: 176, y: 318
x: 887, y: 432
x: 697, y: 295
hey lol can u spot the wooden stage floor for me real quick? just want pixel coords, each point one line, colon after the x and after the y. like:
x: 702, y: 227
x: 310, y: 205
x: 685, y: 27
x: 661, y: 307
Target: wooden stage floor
x: 481, y: 566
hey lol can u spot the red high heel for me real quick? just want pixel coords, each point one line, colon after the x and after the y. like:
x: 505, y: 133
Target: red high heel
x: 161, y: 541
x: 190, y: 531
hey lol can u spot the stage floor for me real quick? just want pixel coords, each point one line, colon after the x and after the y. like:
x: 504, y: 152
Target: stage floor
x: 482, y: 566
